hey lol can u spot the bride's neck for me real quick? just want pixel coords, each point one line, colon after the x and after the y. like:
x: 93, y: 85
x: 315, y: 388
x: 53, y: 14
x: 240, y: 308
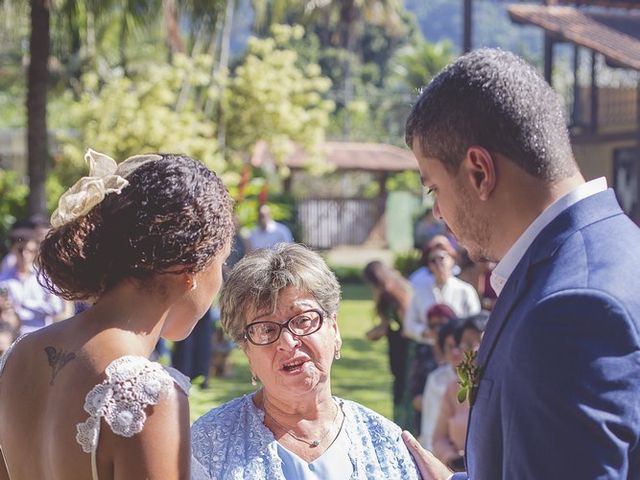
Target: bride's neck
x: 128, y: 317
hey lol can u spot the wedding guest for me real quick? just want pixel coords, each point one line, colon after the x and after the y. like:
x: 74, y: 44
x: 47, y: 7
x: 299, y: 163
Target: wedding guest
x: 392, y: 294
x: 450, y: 430
x: 438, y: 381
x: 34, y: 305
x: 268, y: 232
x: 445, y: 288
x: 143, y: 242
x: 19, y: 230
x: 440, y: 257
x: 478, y: 274
x: 280, y: 305
x: 426, y: 227
x: 428, y: 356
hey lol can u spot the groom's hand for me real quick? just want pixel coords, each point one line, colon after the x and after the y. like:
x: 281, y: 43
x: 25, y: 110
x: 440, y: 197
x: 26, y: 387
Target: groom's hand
x: 430, y: 467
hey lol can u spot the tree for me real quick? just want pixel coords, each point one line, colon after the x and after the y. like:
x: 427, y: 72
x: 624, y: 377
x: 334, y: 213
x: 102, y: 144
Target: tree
x: 352, y: 16
x: 37, y: 83
x: 126, y: 115
x: 416, y: 64
x: 275, y: 98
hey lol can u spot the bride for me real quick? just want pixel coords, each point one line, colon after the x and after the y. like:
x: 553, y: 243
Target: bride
x: 144, y: 241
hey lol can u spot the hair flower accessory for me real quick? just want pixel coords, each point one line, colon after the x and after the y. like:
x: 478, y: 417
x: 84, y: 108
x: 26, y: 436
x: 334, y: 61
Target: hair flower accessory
x: 105, y: 177
x: 87, y: 192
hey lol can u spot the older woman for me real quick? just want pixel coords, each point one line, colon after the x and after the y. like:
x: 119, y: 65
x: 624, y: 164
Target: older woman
x: 280, y: 305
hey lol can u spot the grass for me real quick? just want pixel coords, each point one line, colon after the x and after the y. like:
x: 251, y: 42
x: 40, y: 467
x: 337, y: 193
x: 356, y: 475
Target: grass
x: 361, y: 375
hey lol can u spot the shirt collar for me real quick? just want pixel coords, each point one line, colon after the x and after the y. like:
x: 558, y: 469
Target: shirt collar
x: 510, y: 261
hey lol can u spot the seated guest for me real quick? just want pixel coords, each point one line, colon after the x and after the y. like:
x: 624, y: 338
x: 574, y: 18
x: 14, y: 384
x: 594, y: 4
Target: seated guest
x: 451, y: 427
x: 438, y: 381
x: 280, y: 306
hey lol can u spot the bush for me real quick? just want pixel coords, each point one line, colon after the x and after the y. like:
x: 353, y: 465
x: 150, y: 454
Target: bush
x: 347, y: 274
x: 407, y: 262
x: 14, y: 202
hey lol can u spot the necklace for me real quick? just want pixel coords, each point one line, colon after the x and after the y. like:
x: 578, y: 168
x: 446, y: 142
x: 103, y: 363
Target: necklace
x: 312, y: 443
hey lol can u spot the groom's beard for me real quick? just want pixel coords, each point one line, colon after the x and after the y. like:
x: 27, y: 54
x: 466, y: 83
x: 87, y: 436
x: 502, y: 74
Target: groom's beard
x: 474, y: 230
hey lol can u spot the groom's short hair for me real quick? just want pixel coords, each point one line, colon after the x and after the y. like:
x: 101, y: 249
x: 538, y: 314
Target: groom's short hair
x: 493, y: 99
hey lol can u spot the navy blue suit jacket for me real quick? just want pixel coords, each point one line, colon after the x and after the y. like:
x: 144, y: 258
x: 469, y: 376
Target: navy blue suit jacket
x: 559, y: 396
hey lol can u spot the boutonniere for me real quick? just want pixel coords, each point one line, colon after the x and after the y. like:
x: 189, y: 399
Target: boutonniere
x: 468, y: 377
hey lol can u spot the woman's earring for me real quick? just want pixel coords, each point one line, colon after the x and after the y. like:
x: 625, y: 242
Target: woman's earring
x: 194, y: 284
x: 254, y: 379
x: 337, y: 355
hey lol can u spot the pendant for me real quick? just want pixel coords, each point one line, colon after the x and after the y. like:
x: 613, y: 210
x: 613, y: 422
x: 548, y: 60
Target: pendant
x: 315, y: 443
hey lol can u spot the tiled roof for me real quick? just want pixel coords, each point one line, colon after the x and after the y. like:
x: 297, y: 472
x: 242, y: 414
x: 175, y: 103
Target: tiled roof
x: 348, y: 156
x: 601, y: 31
x: 606, y: 3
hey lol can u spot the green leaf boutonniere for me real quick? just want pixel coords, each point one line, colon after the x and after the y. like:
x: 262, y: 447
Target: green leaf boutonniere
x: 469, y: 377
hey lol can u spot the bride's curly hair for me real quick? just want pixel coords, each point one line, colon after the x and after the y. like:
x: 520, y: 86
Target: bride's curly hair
x: 175, y: 216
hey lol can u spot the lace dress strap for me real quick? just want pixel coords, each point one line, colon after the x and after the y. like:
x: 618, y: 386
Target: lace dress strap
x: 132, y: 384
x: 5, y: 355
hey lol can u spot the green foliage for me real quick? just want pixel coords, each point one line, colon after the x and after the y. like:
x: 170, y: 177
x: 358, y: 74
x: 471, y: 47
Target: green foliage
x: 276, y: 98
x: 408, y: 181
x: 415, y: 65
x: 348, y: 274
x: 128, y: 115
x: 407, y: 262
x: 14, y: 200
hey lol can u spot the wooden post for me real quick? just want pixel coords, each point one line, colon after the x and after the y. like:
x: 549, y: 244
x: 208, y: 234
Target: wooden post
x: 468, y: 23
x: 594, y: 94
x: 548, y: 51
x: 548, y: 58
x: 576, y: 119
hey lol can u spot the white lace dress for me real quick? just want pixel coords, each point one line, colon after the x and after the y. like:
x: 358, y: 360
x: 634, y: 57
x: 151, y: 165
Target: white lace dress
x: 133, y: 383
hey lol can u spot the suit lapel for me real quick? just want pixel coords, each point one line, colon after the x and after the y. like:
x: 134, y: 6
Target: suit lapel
x: 592, y: 209
x: 507, y: 300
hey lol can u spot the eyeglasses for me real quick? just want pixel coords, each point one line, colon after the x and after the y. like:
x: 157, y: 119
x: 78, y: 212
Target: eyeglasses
x: 303, y: 324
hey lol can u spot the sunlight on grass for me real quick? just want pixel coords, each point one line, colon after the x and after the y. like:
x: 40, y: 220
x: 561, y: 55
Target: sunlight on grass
x: 362, y: 375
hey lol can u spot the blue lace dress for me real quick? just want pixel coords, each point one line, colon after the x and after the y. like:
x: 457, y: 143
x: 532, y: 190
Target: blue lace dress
x: 231, y: 442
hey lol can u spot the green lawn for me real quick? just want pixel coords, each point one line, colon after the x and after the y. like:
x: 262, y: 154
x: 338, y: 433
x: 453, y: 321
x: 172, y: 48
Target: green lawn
x: 362, y: 374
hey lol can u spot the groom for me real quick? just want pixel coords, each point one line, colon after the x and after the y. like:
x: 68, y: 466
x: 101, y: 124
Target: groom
x: 558, y: 395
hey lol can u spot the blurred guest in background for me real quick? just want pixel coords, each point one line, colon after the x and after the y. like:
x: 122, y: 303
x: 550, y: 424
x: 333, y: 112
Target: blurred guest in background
x: 439, y: 380
x: 392, y: 294
x: 34, y: 305
x: 268, y: 232
x: 451, y: 427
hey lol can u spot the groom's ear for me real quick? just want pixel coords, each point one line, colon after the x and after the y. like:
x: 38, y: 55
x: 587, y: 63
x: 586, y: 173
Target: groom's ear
x: 479, y: 170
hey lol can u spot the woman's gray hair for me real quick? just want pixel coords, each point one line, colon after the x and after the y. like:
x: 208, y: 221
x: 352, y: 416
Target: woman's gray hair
x: 256, y: 281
